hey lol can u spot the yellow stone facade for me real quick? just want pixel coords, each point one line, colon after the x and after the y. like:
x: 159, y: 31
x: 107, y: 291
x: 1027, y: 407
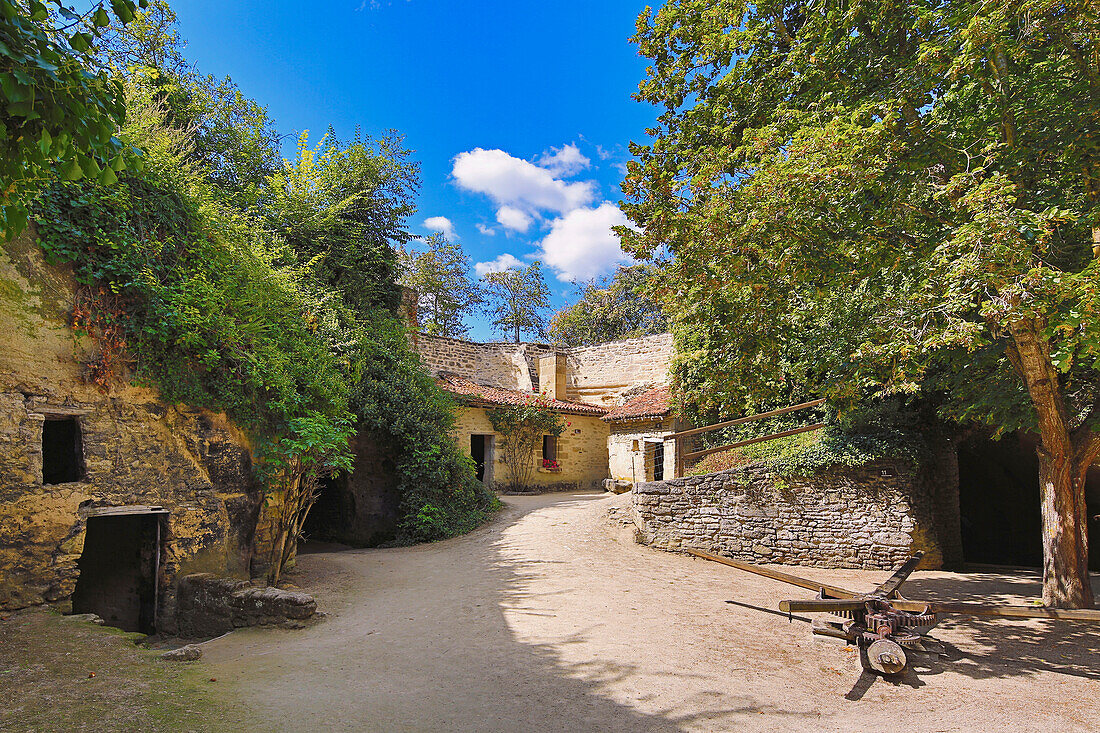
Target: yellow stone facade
x: 135, y: 451
x: 582, y: 451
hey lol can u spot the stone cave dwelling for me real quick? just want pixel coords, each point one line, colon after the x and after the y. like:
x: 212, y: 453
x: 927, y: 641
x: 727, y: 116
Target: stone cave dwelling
x: 119, y: 504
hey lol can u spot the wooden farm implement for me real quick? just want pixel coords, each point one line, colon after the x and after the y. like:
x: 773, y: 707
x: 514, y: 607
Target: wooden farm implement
x: 882, y: 623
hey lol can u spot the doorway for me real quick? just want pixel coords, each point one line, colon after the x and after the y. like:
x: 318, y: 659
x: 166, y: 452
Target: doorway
x: 656, y: 459
x: 999, y: 509
x: 481, y: 450
x: 118, y: 570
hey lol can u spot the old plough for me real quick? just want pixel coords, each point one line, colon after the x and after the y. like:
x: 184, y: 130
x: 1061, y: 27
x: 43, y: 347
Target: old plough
x: 882, y: 623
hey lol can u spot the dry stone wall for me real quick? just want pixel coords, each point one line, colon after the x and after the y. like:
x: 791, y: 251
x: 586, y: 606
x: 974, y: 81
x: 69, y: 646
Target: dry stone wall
x: 872, y: 517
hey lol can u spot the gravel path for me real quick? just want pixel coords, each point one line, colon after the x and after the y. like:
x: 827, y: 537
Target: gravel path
x: 551, y: 619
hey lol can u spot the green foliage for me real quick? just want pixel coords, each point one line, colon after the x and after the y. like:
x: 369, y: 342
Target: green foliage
x: 59, y: 109
x: 400, y: 403
x: 210, y: 319
x: 342, y: 209
x: 440, y: 276
x: 864, y: 199
x: 521, y: 429
x: 518, y: 298
x: 617, y: 307
x: 882, y: 430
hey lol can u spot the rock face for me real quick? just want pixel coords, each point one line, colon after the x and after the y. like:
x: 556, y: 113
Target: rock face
x: 69, y: 452
x: 209, y: 605
x: 871, y: 517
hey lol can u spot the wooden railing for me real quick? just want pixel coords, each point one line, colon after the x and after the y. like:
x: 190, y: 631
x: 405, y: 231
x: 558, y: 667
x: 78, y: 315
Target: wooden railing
x: 682, y: 457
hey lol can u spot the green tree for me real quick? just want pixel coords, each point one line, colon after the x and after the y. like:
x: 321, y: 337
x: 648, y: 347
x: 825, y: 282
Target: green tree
x: 60, y: 109
x: 887, y: 198
x: 441, y: 277
x: 616, y: 307
x: 518, y: 299
x: 343, y: 209
x: 234, y: 141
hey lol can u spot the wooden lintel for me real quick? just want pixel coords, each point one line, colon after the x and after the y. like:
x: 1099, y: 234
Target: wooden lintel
x: 121, y: 511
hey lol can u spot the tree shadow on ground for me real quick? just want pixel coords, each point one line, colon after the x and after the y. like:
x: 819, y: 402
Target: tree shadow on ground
x: 421, y: 640
x: 1006, y: 647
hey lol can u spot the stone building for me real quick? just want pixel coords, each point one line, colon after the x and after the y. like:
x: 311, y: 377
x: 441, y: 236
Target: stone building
x: 636, y: 448
x: 106, y: 499
x: 583, y: 384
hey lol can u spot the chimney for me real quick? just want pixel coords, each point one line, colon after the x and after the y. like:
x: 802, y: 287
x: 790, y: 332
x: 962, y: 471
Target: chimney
x: 552, y: 380
x: 407, y: 309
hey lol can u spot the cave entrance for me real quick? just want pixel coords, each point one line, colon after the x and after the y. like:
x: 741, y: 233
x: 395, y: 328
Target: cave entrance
x: 999, y: 502
x: 119, y: 567
x: 333, y: 513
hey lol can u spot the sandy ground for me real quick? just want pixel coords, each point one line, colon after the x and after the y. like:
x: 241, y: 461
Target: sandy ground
x: 551, y: 619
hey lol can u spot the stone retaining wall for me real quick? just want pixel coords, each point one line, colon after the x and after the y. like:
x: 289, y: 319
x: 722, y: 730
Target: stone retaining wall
x: 871, y: 517
x: 209, y: 605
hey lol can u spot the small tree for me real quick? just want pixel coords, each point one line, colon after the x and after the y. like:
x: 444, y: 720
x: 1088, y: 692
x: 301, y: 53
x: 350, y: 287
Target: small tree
x: 440, y: 276
x: 612, y: 308
x: 521, y: 427
x: 518, y: 299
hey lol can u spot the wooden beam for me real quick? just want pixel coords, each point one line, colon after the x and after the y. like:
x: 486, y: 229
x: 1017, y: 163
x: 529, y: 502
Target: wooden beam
x: 773, y: 436
x: 773, y: 574
x: 965, y: 608
x: 750, y: 418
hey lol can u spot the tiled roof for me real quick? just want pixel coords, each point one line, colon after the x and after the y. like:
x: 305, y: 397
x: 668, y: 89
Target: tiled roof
x: 653, y: 403
x: 478, y: 393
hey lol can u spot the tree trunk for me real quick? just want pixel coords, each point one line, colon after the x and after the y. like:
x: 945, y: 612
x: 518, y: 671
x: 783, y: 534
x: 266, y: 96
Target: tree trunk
x: 1062, y: 468
x: 1065, y: 545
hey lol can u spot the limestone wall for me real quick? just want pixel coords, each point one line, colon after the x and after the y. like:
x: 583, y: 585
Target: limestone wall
x: 628, y: 457
x: 600, y: 375
x: 582, y: 451
x: 136, y: 451
x: 507, y: 365
x: 872, y: 517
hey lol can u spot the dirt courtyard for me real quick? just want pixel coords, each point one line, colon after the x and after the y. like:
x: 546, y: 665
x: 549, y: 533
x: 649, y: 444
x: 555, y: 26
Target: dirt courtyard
x: 552, y: 619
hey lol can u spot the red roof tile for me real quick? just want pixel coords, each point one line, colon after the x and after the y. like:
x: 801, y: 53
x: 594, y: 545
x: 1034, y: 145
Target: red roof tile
x: 478, y: 393
x: 653, y: 403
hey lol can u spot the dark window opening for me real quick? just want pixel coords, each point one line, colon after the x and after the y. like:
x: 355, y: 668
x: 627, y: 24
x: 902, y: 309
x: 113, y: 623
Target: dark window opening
x: 549, y: 447
x: 477, y: 452
x: 62, y: 451
x: 658, y: 461
x: 118, y: 571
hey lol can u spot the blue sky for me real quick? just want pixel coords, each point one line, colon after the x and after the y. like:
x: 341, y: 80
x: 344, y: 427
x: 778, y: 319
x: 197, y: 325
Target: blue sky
x: 518, y: 112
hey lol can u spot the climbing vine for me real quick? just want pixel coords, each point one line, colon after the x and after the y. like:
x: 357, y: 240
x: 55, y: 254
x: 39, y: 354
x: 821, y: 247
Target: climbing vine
x: 521, y: 429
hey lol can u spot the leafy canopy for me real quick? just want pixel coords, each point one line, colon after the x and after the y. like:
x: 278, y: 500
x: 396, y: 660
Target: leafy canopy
x: 59, y: 109
x: 518, y: 299
x: 615, y: 307
x: 860, y: 197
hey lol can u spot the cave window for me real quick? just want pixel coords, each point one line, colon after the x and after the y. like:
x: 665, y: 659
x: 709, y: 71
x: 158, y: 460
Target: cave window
x: 62, y: 451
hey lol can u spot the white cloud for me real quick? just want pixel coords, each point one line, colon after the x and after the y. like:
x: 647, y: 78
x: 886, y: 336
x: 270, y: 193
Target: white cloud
x: 488, y: 231
x: 441, y: 224
x: 581, y: 245
x: 512, y: 218
x: 504, y: 262
x: 565, y: 161
x: 511, y: 181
